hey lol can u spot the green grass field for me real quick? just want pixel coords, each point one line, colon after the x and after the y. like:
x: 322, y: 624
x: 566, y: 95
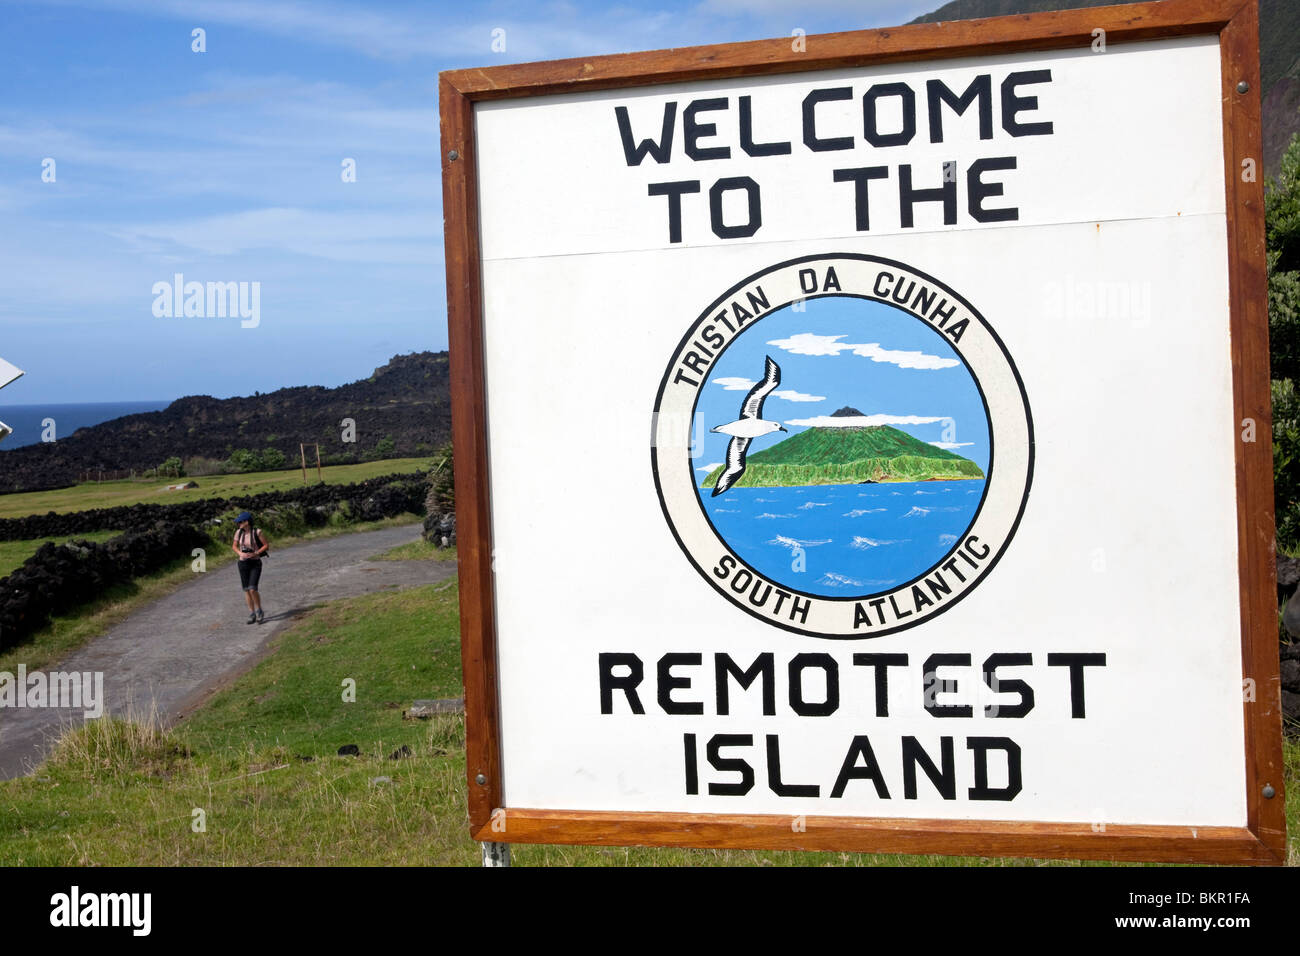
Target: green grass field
x: 111, y: 494
x: 258, y: 766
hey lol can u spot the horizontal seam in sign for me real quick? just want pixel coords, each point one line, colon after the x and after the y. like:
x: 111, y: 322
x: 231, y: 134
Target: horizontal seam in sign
x: 851, y: 236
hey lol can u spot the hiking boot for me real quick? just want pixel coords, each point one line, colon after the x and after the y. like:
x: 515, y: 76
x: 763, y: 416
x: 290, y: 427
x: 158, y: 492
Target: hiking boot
x: 261, y: 615
x: 252, y: 618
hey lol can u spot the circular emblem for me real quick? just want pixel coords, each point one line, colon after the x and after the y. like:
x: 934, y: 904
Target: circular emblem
x: 842, y: 446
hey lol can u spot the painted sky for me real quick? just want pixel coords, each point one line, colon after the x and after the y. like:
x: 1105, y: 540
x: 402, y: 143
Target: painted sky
x: 846, y: 352
x: 225, y: 165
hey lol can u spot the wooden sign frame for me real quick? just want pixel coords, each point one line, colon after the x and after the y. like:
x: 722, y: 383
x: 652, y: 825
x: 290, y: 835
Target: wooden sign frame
x: 1236, y: 23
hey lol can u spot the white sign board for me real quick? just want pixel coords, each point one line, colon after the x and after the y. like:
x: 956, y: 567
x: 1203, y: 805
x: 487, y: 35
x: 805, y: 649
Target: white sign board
x: 862, y: 444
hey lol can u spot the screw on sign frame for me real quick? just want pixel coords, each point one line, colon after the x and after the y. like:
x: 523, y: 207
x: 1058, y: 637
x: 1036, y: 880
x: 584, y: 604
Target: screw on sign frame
x: 1235, y: 23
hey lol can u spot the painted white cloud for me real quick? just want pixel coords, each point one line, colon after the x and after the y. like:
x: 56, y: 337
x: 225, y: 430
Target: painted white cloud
x: 950, y: 445
x: 735, y: 384
x: 809, y: 343
x: 862, y: 421
x: 708, y: 468
x: 790, y: 395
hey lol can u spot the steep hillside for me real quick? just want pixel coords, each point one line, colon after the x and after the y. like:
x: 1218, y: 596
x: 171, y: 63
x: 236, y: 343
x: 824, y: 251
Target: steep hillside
x: 847, y: 455
x: 407, y: 400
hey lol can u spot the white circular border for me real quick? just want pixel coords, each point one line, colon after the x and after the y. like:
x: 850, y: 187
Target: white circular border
x: 1006, y: 489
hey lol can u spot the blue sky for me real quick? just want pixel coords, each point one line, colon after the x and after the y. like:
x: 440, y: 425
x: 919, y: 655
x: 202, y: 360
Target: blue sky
x: 845, y: 352
x: 225, y: 166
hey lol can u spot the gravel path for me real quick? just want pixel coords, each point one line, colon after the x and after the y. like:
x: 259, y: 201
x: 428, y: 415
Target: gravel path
x: 175, y: 652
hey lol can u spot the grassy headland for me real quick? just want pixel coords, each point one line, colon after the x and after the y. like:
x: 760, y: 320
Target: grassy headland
x: 838, y: 456
x: 111, y: 494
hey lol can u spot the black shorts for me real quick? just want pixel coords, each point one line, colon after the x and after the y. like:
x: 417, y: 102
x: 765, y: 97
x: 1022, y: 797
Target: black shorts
x: 250, y: 572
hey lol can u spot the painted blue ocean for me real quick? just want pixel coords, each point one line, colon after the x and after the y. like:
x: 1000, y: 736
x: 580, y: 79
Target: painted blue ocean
x: 26, y: 420
x: 851, y: 539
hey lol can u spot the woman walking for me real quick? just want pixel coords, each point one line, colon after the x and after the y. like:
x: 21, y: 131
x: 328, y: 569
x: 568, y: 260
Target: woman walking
x: 249, y: 545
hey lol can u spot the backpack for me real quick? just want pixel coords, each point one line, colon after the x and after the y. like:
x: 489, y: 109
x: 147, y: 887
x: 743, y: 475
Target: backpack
x: 258, y: 540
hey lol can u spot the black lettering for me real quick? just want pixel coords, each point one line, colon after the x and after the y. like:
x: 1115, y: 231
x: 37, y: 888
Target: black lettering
x: 869, y: 119
x: 861, y: 747
x: 755, y: 219
x: 674, y: 192
x: 934, y: 686
x: 725, y: 764
x: 937, y: 585
x: 908, y: 197
x: 1012, y: 686
x: 899, y: 613
x: 982, y: 790
x: 774, y: 774
x: 937, y: 93
x: 977, y: 190
x: 694, y: 131
x: 802, y: 707
x: 692, y: 764
x: 901, y: 293
x: 810, y: 137
x: 1013, y: 104
x: 610, y: 682
x: 747, y: 135
x: 861, y: 176
x: 697, y: 362
x: 1076, y: 663
x: 724, y: 566
x: 881, y: 663
x: 661, y: 151
x: 945, y: 780
x: 668, y: 683
x: 764, y: 666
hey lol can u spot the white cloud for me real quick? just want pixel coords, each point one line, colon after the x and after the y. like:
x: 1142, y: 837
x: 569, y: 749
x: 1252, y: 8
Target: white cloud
x: 708, y: 468
x: 950, y: 445
x: 809, y: 343
x: 790, y: 395
x: 862, y: 421
x: 735, y: 384
x: 344, y: 234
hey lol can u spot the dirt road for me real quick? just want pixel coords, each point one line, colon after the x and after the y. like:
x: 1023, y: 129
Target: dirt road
x: 172, y: 653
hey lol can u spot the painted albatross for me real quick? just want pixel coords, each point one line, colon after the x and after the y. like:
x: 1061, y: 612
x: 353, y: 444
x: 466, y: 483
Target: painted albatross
x: 749, y: 426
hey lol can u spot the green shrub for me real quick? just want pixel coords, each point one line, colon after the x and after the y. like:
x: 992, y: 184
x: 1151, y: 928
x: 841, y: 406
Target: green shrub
x: 241, y: 459
x: 1282, y: 228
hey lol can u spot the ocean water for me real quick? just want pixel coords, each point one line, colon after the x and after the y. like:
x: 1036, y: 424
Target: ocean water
x: 855, y: 539
x: 26, y: 420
